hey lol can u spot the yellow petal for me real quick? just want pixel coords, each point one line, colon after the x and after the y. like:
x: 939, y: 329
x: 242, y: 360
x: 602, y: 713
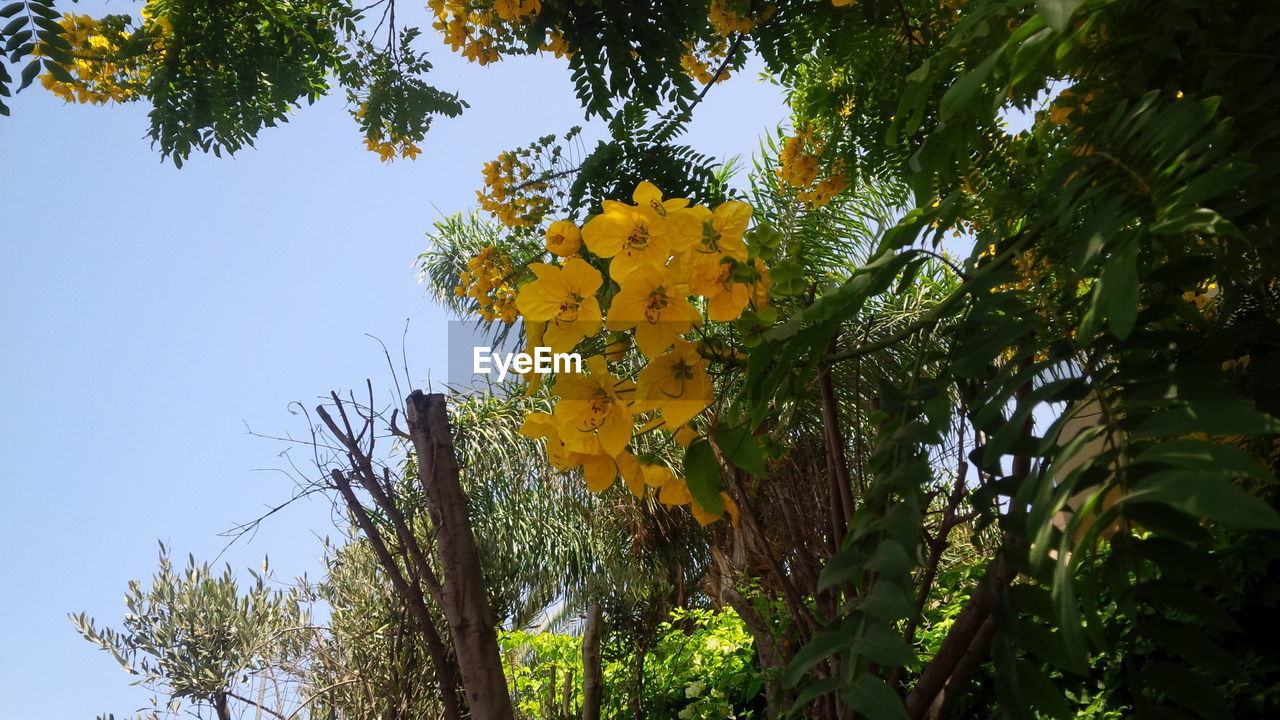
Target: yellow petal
x: 675, y: 493
x: 599, y: 471
x: 631, y: 472
x: 616, y: 431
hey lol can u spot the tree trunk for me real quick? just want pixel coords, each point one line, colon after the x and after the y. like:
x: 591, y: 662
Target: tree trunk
x: 592, y: 680
x: 466, y: 607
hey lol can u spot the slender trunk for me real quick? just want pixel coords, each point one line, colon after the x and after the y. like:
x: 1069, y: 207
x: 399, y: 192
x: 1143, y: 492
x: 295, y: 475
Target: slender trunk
x: 466, y: 607
x: 411, y: 595
x: 220, y: 706
x: 592, y: 680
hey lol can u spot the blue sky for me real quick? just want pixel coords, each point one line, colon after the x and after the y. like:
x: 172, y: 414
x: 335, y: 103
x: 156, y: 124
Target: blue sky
x: 148, y: 315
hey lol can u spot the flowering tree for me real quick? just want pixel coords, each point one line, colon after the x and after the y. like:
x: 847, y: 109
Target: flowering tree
x: 1124, y: 278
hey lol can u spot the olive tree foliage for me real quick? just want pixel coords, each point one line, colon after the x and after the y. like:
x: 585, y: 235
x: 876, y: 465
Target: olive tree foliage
x: 204, y: 644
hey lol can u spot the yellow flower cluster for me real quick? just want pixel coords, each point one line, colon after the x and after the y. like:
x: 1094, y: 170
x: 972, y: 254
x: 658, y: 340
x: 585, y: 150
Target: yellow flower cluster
x: 98, y: 77
x: 512, y: 192
x: 387, y: 150
x: 1203, y: 297
x: 726, y: 21
x: 697, y: 62
x: 798, y: 167
x: 674, y: 265
x: 488, y: 280
x: 476, y: 29
x: 386, y: 143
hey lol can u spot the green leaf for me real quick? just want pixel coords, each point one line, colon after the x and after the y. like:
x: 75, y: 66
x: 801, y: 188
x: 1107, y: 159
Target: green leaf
x: 815, y: 690
x: 1203, y: 495
x: 12, y: 8
x: 961, y: 93
x: 872, y: 697
x: 12, y: 26
x: 1057, y: 13
x: 788, y: 278
x: 887, y: 601
x: 58, y: 72
x: 1205, y: 456
x: 817, y: 650
x: 29, y: 74
x: 1224, y: 415
x: 702, y: 473
x: 1187, y: 688
x: 740, y: 448
x: 890, y: 558
x: 1045, y: 697
x: 885, y: 646
x: 1115, y: 295
x: 840, y: 567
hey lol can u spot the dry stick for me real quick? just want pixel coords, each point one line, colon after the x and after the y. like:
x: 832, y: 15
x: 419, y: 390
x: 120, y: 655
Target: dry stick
x: 369, y: 480
x: 445, y: 670
x: 466, y: 606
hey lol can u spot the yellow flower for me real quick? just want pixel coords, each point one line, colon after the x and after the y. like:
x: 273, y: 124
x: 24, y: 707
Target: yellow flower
x: 675, y: 493
x: 641, y: 234
x: 655, y: 307
x: 680, y: 224
x: 628, y: 236
x: 564, y: 238
x: 542, y: 425
x: 1058, y: 115
x: 726, y: 299
x: 566, y: 297
x: 592, y: 417
x: 632, y: 472
x: 676, y: 384
x: 721, y: 236
x: 598, y: 470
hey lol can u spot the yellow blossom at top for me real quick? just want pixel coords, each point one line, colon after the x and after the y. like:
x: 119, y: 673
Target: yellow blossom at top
x: 726, y: 298
x: 628, y: 236
x: 656, y: 307
x: 726, y: 21
x: 514, y: 10
x: 592, y: 416
x: 566, y: 298
x: 564, y: 238
x: 721, y: 237
x: 642, y: 234
x: 676, y: 384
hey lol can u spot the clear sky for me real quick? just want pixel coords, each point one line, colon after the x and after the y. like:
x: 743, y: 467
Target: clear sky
x: 148, y: 315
